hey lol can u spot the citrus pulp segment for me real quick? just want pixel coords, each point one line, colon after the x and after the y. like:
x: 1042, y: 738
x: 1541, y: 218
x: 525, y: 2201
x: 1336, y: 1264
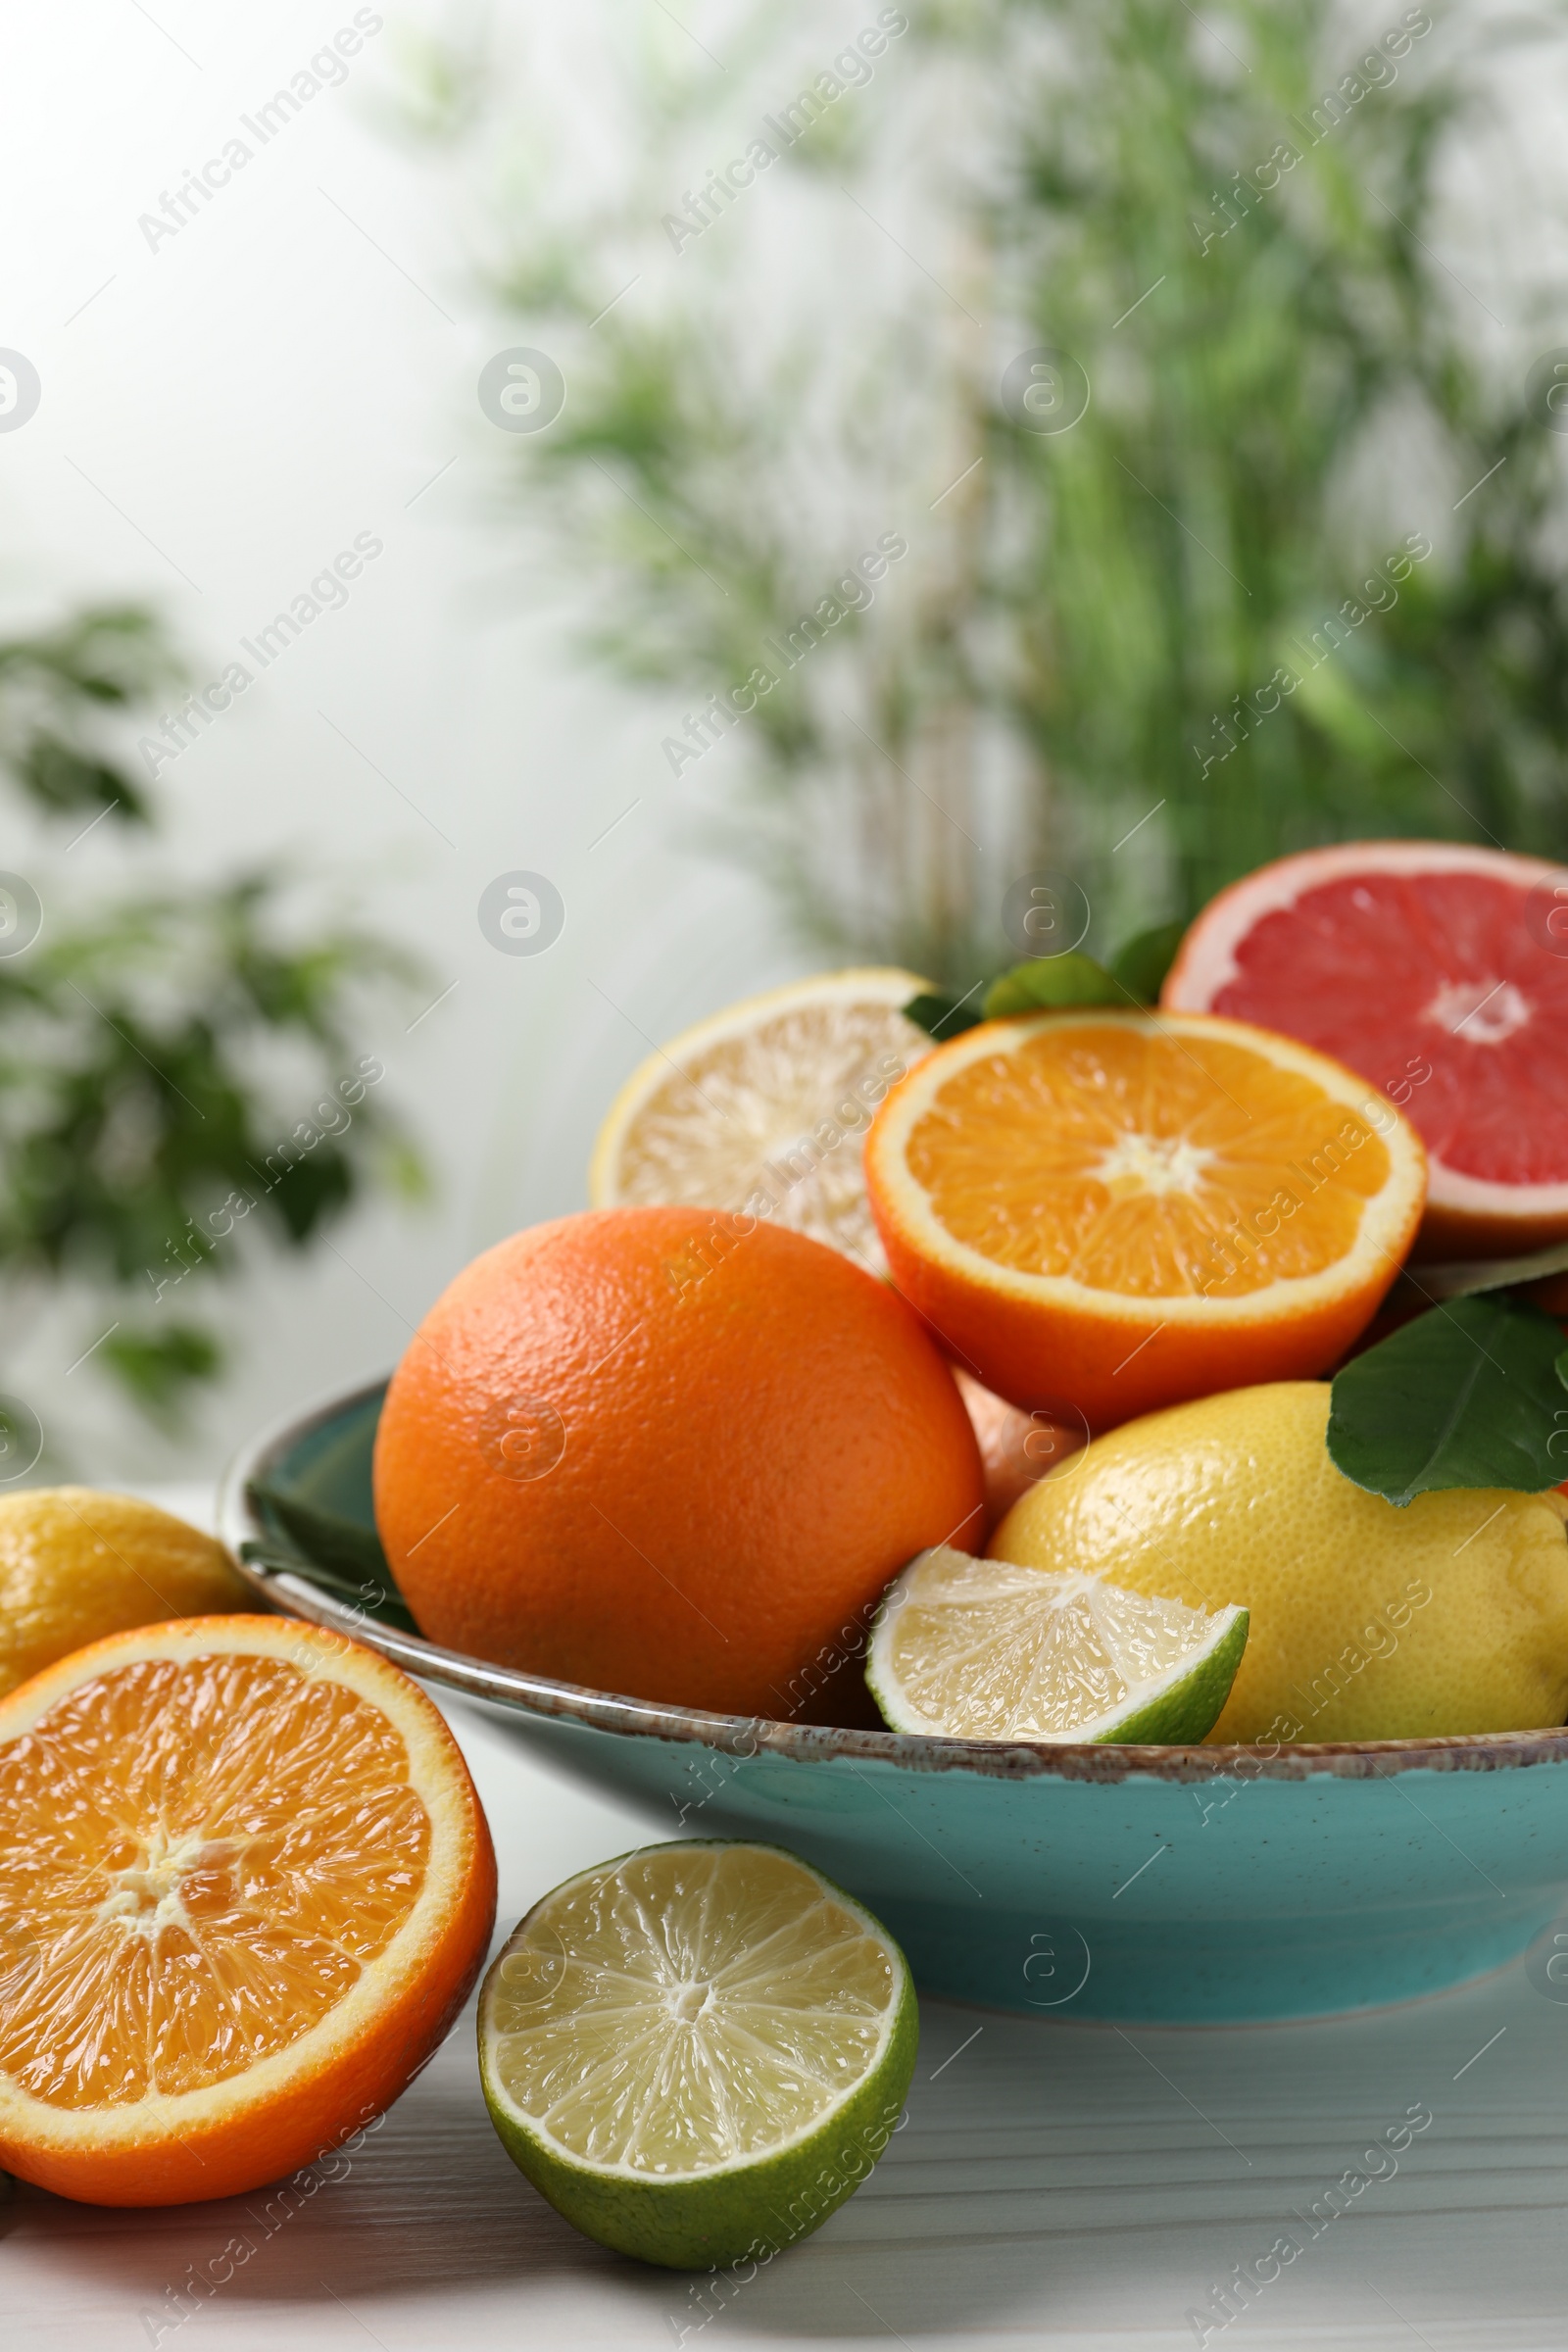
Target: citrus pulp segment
x: 764, y: 1108
x: 246, y: 1885
x: 1112, y: 1211
x: 985, y: 1649
x: 1440, y: 972
x: 696, y: 2052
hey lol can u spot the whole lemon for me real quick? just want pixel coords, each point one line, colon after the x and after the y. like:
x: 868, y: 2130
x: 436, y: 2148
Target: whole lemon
x: 1368, y: 1621
x: 75, y: 1564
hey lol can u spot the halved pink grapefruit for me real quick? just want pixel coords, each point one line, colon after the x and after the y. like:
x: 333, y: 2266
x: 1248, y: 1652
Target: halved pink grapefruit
x: 1438, y: 971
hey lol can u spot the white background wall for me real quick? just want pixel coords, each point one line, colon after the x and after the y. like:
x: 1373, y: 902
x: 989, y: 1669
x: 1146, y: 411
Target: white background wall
x: 219, y: 416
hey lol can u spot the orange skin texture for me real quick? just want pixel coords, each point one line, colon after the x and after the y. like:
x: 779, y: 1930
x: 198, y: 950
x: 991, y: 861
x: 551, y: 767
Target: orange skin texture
x: 1015, y: 1448
x: 756, y: 1436
x: 348, y: 2089
x: 1036, y: 1356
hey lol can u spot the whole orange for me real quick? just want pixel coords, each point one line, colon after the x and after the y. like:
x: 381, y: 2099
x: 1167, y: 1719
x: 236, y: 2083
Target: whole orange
x: 668, y: 1453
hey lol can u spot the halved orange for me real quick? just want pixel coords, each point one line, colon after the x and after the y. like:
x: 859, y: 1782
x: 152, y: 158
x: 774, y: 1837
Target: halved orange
x: 1110, y: 1211
x: 245, y: 1887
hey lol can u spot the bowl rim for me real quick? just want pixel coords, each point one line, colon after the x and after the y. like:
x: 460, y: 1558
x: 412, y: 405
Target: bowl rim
x: 747, y: 1736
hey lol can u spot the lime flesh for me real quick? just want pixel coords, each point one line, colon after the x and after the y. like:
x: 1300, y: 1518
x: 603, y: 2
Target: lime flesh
x: 985, y: 1649
x: 696, y: 2052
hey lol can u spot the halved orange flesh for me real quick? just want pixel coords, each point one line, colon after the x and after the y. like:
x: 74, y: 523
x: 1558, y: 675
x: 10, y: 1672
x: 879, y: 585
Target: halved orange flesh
x: 1108, y: 1213
x: 245, y: 1885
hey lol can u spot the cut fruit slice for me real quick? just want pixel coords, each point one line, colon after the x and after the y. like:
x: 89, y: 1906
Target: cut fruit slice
x: 696, y: 2052
x: 984, y: 1649
x: 1114, y: 1211
x: 764, y: 1108
x: 1438, y: 972
x: 245, y: 1885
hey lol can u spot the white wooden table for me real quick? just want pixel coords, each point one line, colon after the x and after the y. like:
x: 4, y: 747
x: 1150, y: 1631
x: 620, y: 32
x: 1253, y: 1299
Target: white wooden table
x: 1056, y: 2184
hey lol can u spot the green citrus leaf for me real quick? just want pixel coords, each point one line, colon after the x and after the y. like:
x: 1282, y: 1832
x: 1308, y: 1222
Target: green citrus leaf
x: 1467, y: 1395
x: 942, y: 1018
x: 339, y: 1554
x: 1140, y: 968
x: 1461, y: 1279
x: 1050, y: 982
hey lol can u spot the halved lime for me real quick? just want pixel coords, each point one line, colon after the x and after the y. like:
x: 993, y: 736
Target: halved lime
x: 984, y: 1649
x: 697, y: 2051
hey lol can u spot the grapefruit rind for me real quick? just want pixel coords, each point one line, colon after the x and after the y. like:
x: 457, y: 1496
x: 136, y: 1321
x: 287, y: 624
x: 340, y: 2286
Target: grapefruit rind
x: 290, y: 2107
x: 1465, y: 1214
x: 1206, y: 961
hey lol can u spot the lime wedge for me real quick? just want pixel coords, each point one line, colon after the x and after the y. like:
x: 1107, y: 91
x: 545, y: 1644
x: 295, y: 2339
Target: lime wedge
x: 984, y: 1649
x: 696, y: 2052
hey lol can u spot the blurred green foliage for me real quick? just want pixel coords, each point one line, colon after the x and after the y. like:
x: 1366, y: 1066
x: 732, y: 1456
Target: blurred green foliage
x: 1301, y: 339
x: 53, y: 689
x: 144, y: 1115
x: 1296, y: 572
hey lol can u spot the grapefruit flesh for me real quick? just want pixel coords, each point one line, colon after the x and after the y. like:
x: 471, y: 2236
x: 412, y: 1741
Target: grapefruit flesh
x: 1439, y: 972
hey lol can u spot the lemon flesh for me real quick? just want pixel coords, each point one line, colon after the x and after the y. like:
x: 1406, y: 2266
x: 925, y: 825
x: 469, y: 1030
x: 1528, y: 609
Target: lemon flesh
x: 988, y: 1649
x: 696, y: 2052
x: 764, y: 1108
x: 76, y: 1564
x: 1368, y: 1621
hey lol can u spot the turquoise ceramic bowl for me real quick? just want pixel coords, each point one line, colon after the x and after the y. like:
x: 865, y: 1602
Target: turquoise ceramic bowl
x: 1203, y: 1885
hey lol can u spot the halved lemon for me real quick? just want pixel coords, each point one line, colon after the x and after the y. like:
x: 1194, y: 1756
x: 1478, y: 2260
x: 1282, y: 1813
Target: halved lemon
x: 1119, y: 1211
x: 245, y: 1887
x: 987, y: 1650
x: 764, y: 1108
x: 696, y: 2052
